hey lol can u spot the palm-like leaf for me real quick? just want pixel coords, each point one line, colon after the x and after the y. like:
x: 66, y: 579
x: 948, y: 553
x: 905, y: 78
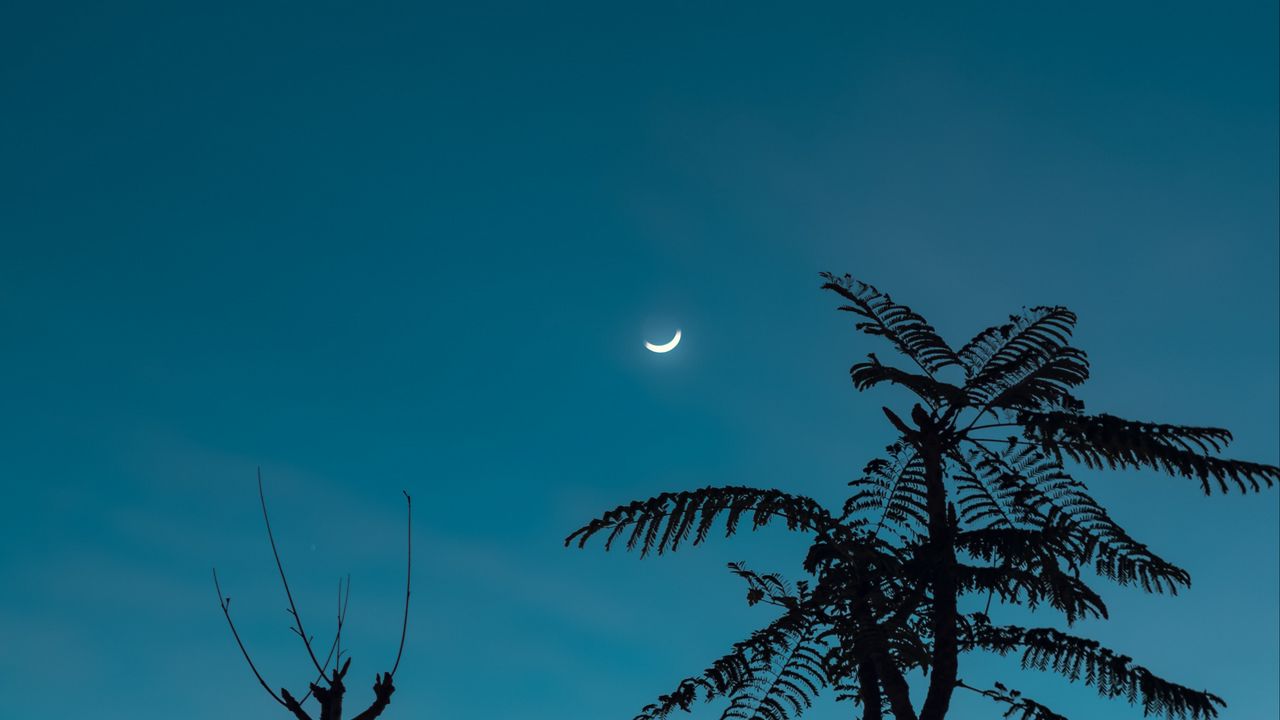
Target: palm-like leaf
x: 1044, y: 488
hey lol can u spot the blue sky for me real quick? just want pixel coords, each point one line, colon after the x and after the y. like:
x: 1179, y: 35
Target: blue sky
x: 375, y: 246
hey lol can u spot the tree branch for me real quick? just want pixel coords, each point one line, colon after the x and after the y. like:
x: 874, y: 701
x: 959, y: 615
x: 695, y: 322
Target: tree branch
x: 295, y: 706
x: 337, y: 637
x: 225, y: 603
x: 382, y: 689
x: 293, y: 608
x: 869, y: 689
x: 408, y: 577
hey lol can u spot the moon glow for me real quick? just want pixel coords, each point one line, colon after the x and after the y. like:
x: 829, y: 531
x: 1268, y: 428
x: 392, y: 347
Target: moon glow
x: 664, y: 347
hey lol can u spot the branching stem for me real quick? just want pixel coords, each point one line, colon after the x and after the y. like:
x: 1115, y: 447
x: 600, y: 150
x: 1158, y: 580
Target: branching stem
x: 225, y: 603
x: 293, y: 608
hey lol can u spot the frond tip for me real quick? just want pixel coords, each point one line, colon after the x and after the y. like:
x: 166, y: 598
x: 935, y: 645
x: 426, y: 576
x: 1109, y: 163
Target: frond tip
x: 1106, y: 441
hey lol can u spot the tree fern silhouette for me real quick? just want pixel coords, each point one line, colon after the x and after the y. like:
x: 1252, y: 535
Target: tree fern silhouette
x: 947, y: 512
x: 329, y: 688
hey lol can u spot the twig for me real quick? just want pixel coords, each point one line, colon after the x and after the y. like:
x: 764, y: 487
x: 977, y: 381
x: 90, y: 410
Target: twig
x: 225, y: 603
x: 408, y: 577
x: 342, y: 617
x: 994, y: 425
x: 293, y: 608
x: 342, y: 614
x: 1015, y: 700
x: 1006, y: 441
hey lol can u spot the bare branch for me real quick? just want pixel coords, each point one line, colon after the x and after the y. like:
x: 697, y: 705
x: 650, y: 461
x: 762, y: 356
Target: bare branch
x: 225, y: 603
x: 408, y: 577
x: 293, y: 608
x: 335, y: 645
x: 343, y: 601
x: 328, y: 688
x: 295, y: 706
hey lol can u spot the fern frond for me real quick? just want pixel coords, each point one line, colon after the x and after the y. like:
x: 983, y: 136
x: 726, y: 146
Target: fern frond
x: 1024, y: 547
x: 663, y: 522
x: 984, y: 504
x: 1037, y: 332
x: 784, y: 684
x: 895, y: 488
x: 1112, y: 674
x: 1106, y: 441
x: 1035, y: 382
x: 1040, y: 484
x: 740, y: 668
x: 899, y: 324
x: 855, y: 556
x: 1034, y: 585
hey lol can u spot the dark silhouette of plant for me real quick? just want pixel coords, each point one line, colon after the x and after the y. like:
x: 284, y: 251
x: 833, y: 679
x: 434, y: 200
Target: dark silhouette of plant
x: 329, y: 687
x: 947, y: 513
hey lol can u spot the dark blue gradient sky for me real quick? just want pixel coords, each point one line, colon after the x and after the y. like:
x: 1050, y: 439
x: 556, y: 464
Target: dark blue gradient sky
x: 374, y: 246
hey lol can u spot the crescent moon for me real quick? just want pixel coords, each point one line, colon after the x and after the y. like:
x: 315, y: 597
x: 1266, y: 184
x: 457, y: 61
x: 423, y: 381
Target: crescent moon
x: 664, y: 347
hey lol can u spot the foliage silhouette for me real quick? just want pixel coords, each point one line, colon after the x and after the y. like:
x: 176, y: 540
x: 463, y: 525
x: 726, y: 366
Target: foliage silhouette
x: 329, y: 687
x: 946, y: 513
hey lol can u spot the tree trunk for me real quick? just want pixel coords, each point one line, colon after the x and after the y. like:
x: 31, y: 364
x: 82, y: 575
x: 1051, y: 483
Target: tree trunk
x: 869, y: 688
x: 895, y: 687
x: 946, y: 649
x: 896, y: 690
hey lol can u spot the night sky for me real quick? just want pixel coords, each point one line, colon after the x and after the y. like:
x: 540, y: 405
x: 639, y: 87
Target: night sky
x: 379, y: 246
